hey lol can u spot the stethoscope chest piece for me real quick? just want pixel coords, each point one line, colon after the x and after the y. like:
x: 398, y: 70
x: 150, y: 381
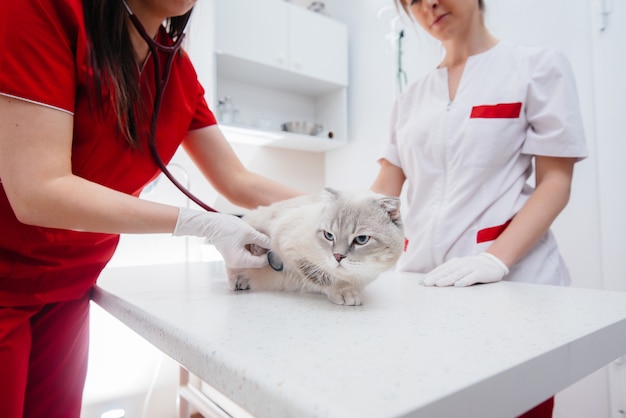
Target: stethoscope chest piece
x: 274, y: 261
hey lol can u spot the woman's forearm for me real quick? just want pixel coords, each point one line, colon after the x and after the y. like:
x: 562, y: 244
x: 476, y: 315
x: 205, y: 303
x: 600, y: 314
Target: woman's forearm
x: 554, y: 176
x: 74, y: 203
x: 251, y: 190
x: 217, y: 161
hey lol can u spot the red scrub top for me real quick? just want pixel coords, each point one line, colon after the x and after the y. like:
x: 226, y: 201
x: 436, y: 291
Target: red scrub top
x: 44, y: 60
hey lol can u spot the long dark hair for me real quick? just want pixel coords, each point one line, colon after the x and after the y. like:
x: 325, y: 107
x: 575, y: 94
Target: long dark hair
x: 113, y: 62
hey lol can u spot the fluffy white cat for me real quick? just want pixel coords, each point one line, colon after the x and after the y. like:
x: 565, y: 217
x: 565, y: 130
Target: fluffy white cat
x: 334, y: 243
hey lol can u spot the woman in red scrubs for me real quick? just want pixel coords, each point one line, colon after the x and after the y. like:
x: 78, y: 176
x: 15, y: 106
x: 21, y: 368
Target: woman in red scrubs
x: 76, y: 93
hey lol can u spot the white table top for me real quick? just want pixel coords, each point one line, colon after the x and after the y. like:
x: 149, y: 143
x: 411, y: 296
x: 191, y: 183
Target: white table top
x: 484, y: 351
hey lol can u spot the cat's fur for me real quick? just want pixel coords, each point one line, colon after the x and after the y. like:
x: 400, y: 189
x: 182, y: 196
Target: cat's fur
x: 367, y: 239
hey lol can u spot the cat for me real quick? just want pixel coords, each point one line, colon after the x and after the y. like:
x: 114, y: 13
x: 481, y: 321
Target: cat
x: 335, y: 243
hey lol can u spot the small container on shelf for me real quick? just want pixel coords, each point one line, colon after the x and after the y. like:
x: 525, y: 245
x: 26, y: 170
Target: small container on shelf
x: 303, y: 127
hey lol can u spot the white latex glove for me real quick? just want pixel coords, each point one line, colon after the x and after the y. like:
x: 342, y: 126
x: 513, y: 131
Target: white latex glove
x: 228, y: 233
x: 466, y: 271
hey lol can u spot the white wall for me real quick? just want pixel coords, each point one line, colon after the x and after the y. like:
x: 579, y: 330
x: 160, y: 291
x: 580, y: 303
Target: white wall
x: 610, y: 89
x: 370, y: 92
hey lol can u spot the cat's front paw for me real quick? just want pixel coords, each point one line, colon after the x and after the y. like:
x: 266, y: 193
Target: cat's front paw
x: 343, y: 293
x: 238, y: 280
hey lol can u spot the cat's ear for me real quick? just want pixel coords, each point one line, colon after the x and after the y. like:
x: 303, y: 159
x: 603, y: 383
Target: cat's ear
x: 330, y: 194
x: 391, y: 206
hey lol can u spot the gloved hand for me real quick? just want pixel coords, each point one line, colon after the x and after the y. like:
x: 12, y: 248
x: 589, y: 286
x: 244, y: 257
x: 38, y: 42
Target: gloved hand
x: 466, y: 271
x: 228, y: 233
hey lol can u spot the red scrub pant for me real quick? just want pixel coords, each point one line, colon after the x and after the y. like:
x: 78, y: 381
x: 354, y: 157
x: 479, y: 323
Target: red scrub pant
x: 543, y: 410
x: 43, y: 358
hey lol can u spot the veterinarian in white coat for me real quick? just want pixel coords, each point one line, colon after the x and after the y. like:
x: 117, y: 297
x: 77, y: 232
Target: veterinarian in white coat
x: 467, y: 160
x: 463, y: 141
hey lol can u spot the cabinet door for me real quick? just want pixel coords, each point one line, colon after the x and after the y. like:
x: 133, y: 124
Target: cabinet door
x: 318, y: 46
x: 254, y: 30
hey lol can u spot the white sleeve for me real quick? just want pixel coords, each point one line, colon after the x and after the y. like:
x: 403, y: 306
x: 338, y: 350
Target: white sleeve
x: 552, y: 108
x: 389, y: 148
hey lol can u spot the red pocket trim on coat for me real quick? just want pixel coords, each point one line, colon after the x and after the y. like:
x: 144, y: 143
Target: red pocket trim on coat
x: 498, y: 111
x: 489, y: 234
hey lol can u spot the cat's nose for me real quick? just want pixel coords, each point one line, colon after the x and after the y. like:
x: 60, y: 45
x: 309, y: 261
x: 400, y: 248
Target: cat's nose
x: 339, y: 257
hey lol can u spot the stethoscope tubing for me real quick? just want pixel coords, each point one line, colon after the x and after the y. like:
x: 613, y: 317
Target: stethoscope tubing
x: 160, y: 84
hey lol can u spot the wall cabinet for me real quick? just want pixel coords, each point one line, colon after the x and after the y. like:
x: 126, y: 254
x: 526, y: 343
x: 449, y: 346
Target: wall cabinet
x: 278, y: 62
x: 279, y: 34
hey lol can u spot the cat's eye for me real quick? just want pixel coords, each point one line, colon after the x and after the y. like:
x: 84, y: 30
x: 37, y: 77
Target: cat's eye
x: 329, y: 236
x: 362, y: 239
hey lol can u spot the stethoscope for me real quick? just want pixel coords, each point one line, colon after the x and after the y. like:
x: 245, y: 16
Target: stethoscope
x: 160, y: 83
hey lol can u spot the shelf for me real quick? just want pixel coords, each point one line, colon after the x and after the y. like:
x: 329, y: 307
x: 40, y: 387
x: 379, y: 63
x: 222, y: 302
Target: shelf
x: 293, y: 66
x: 279, y: 139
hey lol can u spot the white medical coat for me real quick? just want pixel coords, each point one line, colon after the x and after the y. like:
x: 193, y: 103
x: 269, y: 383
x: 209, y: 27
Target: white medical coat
x: 467, y: 161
